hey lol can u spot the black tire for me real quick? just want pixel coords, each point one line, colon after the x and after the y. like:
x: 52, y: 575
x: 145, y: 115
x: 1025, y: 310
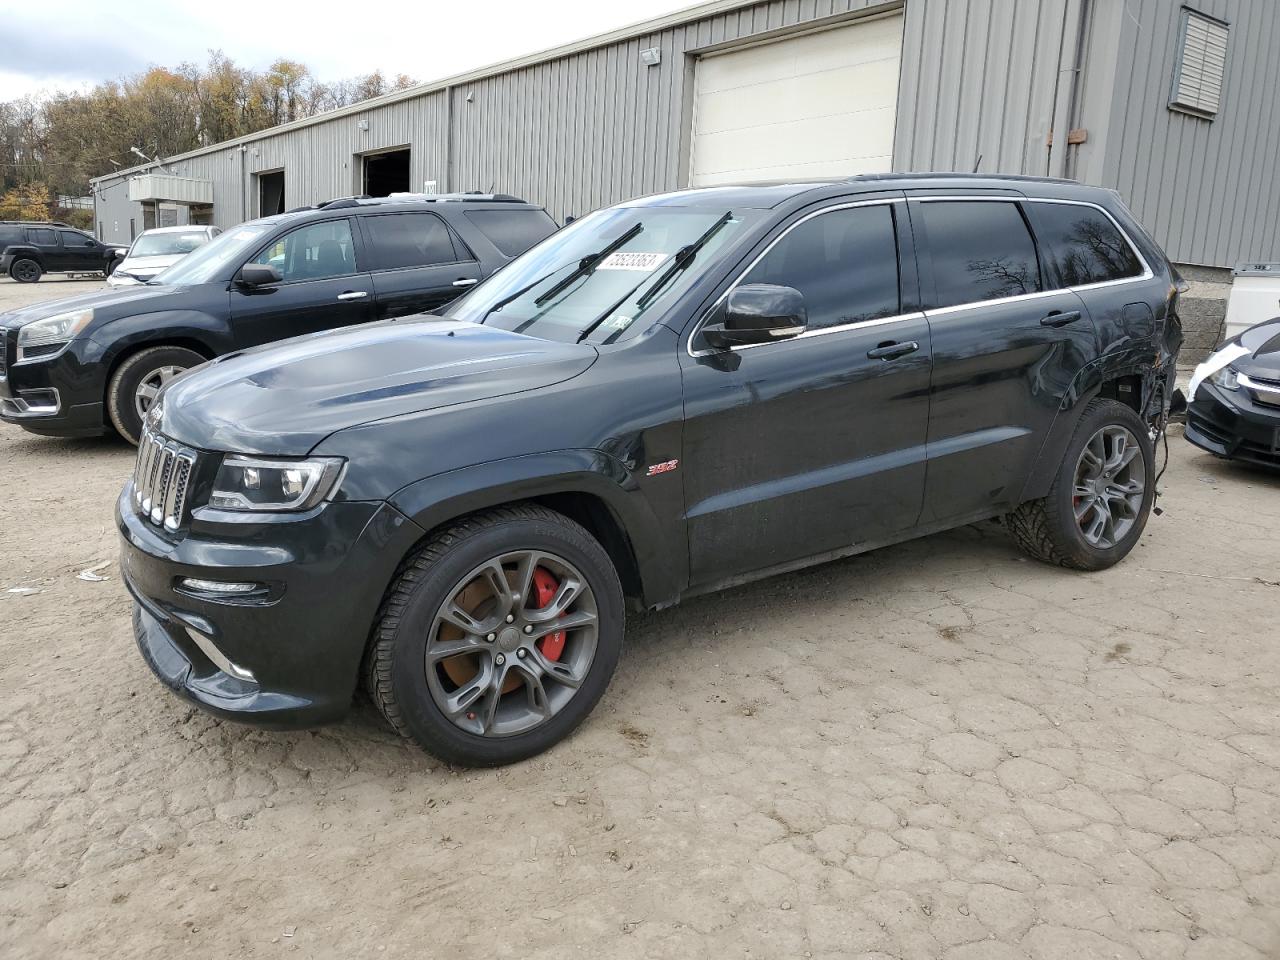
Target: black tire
x: 111, y: 268
x: 1047, y: 528
x: 25, y: 270
x: 394, y: 672
x: 130, y: 375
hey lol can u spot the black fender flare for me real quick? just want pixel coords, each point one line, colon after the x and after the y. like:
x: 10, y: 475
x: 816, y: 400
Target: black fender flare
x: 658, y: 564
x: 19, y: 251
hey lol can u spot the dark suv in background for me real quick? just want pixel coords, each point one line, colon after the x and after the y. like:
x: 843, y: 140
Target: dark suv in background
x: 80, y: 366
x: 29, y: 250
x: 669, y: 396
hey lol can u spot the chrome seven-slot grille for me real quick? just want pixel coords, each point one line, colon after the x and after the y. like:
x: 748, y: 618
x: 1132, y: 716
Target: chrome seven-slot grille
x: 162, y: 478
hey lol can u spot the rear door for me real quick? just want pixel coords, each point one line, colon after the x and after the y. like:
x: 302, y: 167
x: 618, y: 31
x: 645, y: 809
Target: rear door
x: 323, y: 286
x: 418, y: 263
x: 809, y: 445
x: 45, y: 240
x: 1006, y: 349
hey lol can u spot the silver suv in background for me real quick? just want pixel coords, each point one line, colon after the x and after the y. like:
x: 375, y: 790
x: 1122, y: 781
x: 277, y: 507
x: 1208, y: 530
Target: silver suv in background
x: 155, y: 251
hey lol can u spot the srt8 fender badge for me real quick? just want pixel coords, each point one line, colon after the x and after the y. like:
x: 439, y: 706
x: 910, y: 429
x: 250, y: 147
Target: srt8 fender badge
x: 665, y: 467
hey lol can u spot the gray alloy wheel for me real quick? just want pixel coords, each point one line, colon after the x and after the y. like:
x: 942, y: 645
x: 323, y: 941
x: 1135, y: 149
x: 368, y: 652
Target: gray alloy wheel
x: 1110, y: 485
x: 25, y: 271
x: 150, y: 386
x: 512, y: 643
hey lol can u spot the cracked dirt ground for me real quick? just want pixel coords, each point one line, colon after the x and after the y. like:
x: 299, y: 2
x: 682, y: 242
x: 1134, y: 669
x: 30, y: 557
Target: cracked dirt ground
x: 940, y: 750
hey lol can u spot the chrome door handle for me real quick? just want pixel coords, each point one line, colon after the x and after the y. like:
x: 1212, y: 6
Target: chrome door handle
x: 353, y: 295
x: 464, y: 282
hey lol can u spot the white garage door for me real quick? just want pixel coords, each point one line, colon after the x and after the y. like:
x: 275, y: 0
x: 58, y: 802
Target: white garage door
x: 817, y: 105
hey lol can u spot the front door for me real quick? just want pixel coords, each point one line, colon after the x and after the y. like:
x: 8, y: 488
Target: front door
x: 1006, y: 349
x: 322, y: 286
x: 811, y: 445
x: 80, y: 251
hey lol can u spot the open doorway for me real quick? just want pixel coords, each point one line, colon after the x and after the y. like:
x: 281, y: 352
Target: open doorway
x: 270, y: 193
x: 386, y: 173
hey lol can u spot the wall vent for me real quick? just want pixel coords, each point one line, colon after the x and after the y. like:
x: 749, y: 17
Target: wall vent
x: 1201, y: 67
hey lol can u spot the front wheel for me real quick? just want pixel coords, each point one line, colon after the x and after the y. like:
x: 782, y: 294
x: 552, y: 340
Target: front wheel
x: 137, y: 382
x: 498, y: 637
x: 1101, y: 497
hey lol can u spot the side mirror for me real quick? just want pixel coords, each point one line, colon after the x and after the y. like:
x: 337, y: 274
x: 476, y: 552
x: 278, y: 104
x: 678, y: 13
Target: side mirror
x: 758, y: 313
x: 258, y: 275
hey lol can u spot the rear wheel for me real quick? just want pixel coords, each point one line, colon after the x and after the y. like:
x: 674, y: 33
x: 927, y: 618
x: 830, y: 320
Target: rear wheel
x: 1098, y: 505
x: 137, y: 382
x: 498, y: 637
x: 25, y: 270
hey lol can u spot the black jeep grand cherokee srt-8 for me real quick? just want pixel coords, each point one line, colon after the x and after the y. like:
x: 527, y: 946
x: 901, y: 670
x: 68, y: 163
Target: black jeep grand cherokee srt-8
x: 80, y: 366
x: 671, y: 395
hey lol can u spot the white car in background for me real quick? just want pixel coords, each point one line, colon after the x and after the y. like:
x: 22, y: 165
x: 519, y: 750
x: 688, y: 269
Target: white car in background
x: 157, y: 250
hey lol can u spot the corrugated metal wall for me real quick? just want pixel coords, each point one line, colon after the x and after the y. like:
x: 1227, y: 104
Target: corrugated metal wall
x: 1208, y: 190
x: 979, y: 79
x: 599, y: 126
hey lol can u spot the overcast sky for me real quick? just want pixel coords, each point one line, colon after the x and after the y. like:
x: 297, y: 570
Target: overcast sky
x: 83, y: 43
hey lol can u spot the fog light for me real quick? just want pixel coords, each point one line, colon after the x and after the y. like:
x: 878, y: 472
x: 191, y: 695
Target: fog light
x: 217, y: 586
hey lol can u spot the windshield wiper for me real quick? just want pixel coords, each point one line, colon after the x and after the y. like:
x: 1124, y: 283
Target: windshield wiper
x: 587, y: 264
x: 684, y: 256
x: 521, y: 292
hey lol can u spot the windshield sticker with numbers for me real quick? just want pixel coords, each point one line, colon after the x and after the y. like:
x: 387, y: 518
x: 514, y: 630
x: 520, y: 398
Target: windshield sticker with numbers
x: 643, y: 262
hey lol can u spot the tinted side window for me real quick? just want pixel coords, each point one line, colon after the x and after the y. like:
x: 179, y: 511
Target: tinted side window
x: 980, y: 250
x: 513, y: 231
x: 409, y: 240
x: 844, y: 262
x: 74, y: 238
x: 313, y: 252
x: 1083, y: 244
x: 45, y: 238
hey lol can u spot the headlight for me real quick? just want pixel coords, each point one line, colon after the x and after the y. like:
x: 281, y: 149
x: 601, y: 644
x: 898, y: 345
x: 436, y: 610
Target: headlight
x: 48, y: 337
x: 247, y: 483
x: 1226, y: 378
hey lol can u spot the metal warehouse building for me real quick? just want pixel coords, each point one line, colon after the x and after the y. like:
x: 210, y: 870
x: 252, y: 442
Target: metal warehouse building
x: 1173, y: 106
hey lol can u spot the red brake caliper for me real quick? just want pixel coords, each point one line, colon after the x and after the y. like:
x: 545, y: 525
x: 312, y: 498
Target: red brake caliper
x: 544, y: 591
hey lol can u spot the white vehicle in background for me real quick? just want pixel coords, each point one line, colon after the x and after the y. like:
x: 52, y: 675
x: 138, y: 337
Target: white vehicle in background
x: 157, y: 250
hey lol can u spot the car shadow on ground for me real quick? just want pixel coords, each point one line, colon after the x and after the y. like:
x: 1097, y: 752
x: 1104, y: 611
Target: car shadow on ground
x: 653, y: 638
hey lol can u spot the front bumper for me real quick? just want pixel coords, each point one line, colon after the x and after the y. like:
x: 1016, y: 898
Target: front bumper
x: 59, y: 397
x: 1230, y: 423
x: 290, y: 658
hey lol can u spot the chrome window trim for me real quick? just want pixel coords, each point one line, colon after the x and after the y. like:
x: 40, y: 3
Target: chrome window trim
x: 808, y: 334
x: 1146, y: 274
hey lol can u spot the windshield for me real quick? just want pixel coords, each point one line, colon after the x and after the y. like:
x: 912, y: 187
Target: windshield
x: 554, y: 292
x: 168, y: 244
x: 214, y: 257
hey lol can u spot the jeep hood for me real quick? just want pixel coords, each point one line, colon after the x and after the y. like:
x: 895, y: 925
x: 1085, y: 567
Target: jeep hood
x: 285, y: 398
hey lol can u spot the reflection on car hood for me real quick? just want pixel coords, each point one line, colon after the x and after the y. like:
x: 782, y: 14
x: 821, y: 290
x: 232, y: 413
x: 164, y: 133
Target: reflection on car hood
x: 285, y: 398
x: 108, y: 305
x: 1263, y: 343
x: 149, y: 264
